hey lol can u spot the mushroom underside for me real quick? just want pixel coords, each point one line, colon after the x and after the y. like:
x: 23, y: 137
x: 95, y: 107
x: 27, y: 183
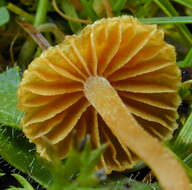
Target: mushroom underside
x: 135, y: 62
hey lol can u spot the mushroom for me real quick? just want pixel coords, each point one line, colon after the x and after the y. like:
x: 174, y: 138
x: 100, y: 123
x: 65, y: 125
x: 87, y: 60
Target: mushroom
x: 117, y: 81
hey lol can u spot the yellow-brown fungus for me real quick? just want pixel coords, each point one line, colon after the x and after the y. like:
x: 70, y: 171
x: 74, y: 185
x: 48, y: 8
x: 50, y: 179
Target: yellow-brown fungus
x: 117, y: 81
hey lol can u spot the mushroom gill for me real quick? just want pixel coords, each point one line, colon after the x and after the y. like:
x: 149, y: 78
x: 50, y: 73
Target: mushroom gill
x: 117, y: 81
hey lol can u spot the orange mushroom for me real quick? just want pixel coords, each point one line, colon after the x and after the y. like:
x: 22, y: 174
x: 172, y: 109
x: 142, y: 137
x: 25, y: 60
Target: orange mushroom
x: 117, y: 81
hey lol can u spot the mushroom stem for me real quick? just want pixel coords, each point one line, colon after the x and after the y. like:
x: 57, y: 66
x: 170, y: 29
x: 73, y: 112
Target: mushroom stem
x: 162, y: 161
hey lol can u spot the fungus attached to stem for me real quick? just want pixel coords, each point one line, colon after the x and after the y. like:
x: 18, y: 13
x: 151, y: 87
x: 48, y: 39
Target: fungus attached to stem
x: 116, y: 81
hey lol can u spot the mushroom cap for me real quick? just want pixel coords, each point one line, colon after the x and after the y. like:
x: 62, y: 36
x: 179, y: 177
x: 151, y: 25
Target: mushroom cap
x: 136, y: 61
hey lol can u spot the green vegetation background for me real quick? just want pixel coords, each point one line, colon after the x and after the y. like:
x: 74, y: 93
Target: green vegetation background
x: 17, y: 49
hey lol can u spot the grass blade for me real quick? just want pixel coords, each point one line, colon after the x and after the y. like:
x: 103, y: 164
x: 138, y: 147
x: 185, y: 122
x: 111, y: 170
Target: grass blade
x: 167, y: 20
x: 89, y: 10
x: 170, y: 11
x: 187, y: 3
x: 69, y: 10
x: 118, y: 6
x: 23, y: 182
x: 29, y: 46
x: 20, y: 12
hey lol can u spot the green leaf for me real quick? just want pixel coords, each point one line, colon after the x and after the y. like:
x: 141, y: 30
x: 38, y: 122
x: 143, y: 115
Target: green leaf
x: 112, y: 2
x: 87, y: 5
x: 23, y: 182
x: 63, y: 172
x: 167, y: 20
x: 183, y: 91
x: 118, y: 6
x: 170, y: 11
x: 183, y: 142
x: 187, y: 3
x: 1, y: 174
x: 69, y: 10
x: 41, y: 13
x: 20, y: 12
x: 9, y: 114
x: 16, y: 150
x: 77, y: 171
x: 72, y: 164
x: 2, y: 3
x: 145, y: 10
x: 4, y: 16
x: 89, y: 160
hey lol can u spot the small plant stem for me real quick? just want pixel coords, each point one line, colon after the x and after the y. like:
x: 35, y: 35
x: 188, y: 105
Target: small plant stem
x: 50, y: 27
x: 68, y: 17
x: 20, y: 12
x: 68, y: 8
x: 170, y: 11
x: 116, y: 115
x: 41, y: 13
x: 29, y: 46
